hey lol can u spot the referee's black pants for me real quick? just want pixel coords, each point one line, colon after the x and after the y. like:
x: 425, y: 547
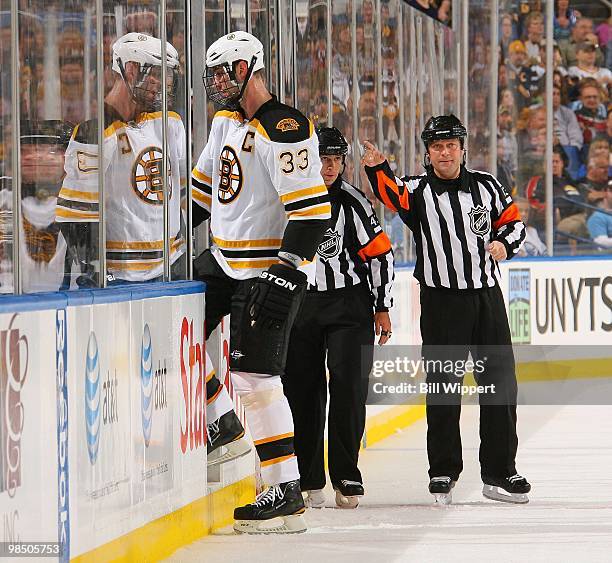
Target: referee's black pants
x: 336, y: 323
x: 453, y: 323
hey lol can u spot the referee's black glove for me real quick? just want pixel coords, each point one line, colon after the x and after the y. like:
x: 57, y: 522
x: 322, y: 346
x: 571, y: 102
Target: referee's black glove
x: 273, y: 295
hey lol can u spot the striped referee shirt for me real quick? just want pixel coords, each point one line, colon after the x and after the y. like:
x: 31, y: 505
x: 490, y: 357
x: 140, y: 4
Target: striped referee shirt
x: 355, y: 249
x: 452, y: 221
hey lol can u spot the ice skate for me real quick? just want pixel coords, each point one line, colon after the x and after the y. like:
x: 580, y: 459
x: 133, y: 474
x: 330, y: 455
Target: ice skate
x: 315, y: 498
x: 442, y: 489
x: 507, y: 489
x: 226, y: 440
x: 278, y: 510
x: 348, y: 493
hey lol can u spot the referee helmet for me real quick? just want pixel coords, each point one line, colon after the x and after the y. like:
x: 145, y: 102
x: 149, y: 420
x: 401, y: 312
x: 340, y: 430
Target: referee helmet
x: 331, y: 142
x: 443, y: 127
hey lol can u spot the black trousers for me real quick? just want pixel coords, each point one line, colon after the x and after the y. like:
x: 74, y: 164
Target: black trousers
x: 453, y: 323
x: 336, y: 323
x: 252, y: 349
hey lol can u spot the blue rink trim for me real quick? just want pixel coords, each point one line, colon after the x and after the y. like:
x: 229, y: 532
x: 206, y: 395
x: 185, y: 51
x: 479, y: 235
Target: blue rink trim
x: 80, y: 297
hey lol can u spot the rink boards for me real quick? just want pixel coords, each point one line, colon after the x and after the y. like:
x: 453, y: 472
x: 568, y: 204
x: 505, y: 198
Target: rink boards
x: 102, y: 426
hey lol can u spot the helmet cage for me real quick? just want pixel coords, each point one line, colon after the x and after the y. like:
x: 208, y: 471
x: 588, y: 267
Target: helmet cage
x: 141, y: 89
x: 226, y: 91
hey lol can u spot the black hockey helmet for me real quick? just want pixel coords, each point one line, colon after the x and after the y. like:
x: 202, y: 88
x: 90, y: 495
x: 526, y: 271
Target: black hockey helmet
x: 331, y: 142
x: 443, y: 127
x: 46, y: 132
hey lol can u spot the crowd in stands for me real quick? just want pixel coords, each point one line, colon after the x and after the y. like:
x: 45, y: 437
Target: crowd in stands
x: 582, y: 122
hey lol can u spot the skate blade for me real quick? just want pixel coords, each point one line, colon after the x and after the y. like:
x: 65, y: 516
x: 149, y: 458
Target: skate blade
x: 346, y: 502
x: 496, y: 493
x: 233, y: 450
x: 318, y: 503
x: 294, y: 524
x: 443, y: 499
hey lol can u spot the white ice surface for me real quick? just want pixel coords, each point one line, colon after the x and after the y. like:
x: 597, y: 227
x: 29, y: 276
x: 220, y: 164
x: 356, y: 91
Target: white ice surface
x: 565, y: 452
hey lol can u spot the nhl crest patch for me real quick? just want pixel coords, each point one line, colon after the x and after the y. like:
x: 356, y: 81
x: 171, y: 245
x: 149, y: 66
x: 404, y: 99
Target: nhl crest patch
x: 330, y: 246
x: 288, y: 124
x: 480, y: 220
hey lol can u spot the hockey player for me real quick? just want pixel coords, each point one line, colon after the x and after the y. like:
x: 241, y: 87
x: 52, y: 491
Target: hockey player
x: 463, y: 222
x: 259, y: 178
x: 132, y: 168
x: 348, y: 302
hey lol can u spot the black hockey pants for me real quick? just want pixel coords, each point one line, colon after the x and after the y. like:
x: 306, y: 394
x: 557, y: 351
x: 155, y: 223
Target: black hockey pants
x: 453, y: 323
x: 335, y: 323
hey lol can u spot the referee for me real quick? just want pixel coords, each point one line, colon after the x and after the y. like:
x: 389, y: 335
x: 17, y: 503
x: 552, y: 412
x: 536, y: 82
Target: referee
x: 347, y: 304
x: 463, y: 222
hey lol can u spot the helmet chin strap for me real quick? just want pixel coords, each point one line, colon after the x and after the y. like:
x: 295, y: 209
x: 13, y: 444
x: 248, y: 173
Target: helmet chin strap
x: 234, y: 104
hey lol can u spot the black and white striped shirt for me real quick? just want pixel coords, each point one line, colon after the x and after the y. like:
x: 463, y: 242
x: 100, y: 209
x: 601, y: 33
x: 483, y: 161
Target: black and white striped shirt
x: 355, y: 249
x: 453, y: 221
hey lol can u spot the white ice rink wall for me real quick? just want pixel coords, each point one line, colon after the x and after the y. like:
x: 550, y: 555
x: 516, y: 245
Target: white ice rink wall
x: 102, y: 426
x: 103, y: 430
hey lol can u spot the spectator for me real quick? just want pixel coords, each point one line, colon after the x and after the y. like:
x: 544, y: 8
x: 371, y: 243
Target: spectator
x: 506, y: 36
x: 604, y: 35
x: 594, y: 186
x: 506, y: 101
x: 534, y: 24
x: 533, y: 245
x: 444, y: 11
x: 590, y: 111
x: 526, y: 79
x: 586, y: 66
x: 580, y: 32
x: 600, y: 222
x: 567, y: 132
x: 506, y: 142
x: 599, y: 152
x: 564, y: 21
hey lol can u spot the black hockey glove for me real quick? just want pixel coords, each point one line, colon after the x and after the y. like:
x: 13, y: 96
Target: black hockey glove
x: 273, y: 294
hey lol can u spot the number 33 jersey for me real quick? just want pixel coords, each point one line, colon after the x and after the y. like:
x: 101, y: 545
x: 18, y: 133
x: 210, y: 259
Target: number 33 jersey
x: 253, y: 177
x: 133, y: 190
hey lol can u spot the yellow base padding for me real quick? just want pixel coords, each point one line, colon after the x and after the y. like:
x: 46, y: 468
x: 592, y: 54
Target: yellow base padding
x: 384, y: 424
x: 160, y: 538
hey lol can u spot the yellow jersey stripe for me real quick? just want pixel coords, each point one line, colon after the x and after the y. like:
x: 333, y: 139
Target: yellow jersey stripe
x: 68, y: 193
x: 262, y: 131
x: 210, y: 375
x: 201, y: 198
x: 142, y: 245
x: 321, y: 189
x: 264, y: 242
x: 273, y: 439
x: 276, y: 460
x: 201, y: 176
x: 243, y: 265
x: 310, y: 211
x: 72, y: 214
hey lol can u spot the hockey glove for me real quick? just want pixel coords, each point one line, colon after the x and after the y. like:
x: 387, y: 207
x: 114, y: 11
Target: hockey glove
x: 273, y: 295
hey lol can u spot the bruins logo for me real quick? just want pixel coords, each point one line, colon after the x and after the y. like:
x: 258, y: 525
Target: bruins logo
x: 288, y: 124
x: 230, y: 176
x: 147, y: 176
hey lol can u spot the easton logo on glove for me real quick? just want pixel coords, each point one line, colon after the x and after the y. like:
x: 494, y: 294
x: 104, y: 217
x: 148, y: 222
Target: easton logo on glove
x: 279, y: 281
x: 273, y: 294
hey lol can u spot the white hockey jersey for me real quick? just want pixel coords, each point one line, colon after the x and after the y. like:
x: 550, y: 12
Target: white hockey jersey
x: 253, y: 177
x: 133, y: 190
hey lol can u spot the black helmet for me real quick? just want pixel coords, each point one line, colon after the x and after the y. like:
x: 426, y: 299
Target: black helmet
x: 46, y: 132
x: 443, y: 127
x: 331, y: 142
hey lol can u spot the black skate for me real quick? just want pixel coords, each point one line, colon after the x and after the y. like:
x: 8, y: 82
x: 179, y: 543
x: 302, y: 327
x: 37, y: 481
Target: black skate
x: 442, y: 489
x: 278, y: 510
x: 226, y: 439
x: 513, y: 489
x: 348, y: 493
